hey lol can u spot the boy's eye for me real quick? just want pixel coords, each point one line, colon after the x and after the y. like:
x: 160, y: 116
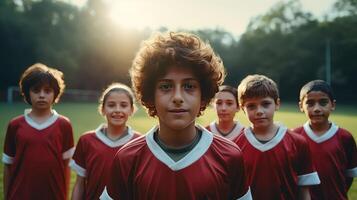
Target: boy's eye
x: 310, y: 103
x: 35, y: 90
x: 189, y: 86
x: 229, y: 103
x: 250, y: 106
x: 48, y: 90
x: 266, y: 104
x: 165, y: 86
x: 323, y: 102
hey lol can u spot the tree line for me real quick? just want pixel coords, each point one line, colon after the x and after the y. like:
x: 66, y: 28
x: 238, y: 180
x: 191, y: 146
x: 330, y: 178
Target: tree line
x: 288, y: 44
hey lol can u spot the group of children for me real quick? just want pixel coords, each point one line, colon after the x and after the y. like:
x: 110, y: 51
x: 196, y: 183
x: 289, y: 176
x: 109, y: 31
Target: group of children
x: 175, y: 76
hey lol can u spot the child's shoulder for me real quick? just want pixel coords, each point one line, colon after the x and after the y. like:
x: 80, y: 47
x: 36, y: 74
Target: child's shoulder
x: 295, y: 137
x: 64, y: 118
x: 17, y: 120
x: 344, y: 134
x: 225, y: 145
x: 87, y: 135
x: 298, y: 129
x: 134, y: 147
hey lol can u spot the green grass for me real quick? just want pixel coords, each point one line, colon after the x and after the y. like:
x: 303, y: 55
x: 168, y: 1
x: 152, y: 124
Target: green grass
x: 84, y: 117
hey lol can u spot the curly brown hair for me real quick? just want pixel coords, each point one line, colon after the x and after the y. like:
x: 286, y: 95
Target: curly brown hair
x: 257, y: 85
x: 165, y: 50
x: 38, y: 75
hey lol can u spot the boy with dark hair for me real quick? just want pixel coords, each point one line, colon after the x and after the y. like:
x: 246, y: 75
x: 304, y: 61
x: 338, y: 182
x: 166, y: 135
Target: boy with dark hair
x: 278, y: 161
x: 226, y: 106
x: 333, y: 148
x: 175, y: 76
x: 39, y: 143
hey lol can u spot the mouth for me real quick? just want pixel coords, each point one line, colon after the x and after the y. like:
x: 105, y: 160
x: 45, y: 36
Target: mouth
x: 260, y: 119
x: 177, y: 111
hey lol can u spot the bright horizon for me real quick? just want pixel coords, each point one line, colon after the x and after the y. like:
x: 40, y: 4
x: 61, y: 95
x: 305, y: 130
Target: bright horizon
x: 230, y: 15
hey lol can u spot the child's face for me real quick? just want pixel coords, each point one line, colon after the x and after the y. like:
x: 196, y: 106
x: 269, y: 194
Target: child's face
x: 260, y: 111
x: 117, y: 109
x: 317, y: 106
x: 42, y: 97
x: 177, y: 98
x: 226, y: 106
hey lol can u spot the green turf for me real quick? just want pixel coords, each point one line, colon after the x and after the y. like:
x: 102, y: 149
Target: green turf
x: 84, y: 117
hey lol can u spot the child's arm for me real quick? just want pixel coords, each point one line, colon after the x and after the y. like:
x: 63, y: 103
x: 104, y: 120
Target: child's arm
x: 78, y: 189
x: 6, y: 178
x: 304, y: 193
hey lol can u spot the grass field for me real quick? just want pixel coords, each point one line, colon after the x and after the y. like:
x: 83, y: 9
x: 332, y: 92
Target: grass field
x: 84, y: 117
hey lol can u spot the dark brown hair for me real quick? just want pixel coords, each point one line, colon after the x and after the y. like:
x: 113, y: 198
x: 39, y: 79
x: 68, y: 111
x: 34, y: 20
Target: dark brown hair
x: 163, y: 51
x: 256, y: 85
x: 38, y: 75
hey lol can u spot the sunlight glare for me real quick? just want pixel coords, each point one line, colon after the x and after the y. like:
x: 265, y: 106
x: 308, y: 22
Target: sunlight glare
x: 131, y: 14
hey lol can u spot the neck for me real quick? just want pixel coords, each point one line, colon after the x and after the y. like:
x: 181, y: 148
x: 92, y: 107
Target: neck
x: 265, y: 133
x: 114, y: 132
x: 320, y: 129
x: 226, y: 126
x: 177, y: 138
x: 40, y: 116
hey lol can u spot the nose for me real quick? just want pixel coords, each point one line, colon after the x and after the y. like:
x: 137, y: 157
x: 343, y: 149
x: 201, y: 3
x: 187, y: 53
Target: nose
x: 260, y: 110
x: 177, y: 98
x: 42, y: 93
x: 316, y: 108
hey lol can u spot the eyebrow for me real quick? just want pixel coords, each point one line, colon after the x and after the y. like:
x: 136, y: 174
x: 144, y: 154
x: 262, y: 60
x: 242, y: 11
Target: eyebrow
x: 169, y: 80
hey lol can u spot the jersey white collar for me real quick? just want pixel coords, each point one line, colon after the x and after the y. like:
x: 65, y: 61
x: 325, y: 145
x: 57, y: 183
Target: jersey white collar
x: 233, y: 134
x: 322, y: 138
x: 196, y: 153
x: 43, y: 125
x: 266, y: 146
x: 100, y: 135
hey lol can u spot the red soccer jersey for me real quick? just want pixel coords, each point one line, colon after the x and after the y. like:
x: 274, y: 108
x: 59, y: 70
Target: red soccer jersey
x: 232, y: 136
x: 276, y: 168
x: 335, y: 157
x: 37, y: 157
x: 213, y: 169
x: 93, y: 157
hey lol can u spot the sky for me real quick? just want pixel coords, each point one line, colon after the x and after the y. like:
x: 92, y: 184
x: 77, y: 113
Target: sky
x: 230, y: 15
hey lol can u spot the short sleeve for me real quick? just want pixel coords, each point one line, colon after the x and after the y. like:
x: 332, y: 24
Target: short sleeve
x: 68, y: 142
x: 78, y: 162
x: 305, y: 168
x: 351, y: 154
x: 240, y: 184
x: 9, y: 145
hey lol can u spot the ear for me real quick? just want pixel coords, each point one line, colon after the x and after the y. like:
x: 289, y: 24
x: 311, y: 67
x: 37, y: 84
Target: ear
x: 333, y: 105
x: 300, y: 106
x: 277, y: 104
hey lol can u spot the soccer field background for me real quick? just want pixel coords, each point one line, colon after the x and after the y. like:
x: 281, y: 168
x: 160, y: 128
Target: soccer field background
x: 84, y: 117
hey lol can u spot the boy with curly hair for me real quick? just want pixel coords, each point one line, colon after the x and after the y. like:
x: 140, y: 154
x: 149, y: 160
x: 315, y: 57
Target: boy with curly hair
x: 175, y: 76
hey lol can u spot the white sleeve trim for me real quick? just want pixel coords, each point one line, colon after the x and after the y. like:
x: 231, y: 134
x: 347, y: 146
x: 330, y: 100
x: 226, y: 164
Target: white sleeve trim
x: 68, y: 154
x: 247, y: 196
x: 78, y: 169
x: 309, y: 179
x: 351, y: 172
x: 105, y: 195
x: 7, y: 159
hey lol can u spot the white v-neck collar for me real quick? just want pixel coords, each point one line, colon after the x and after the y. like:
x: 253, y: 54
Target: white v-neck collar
x: 266, y: 146
x: 322, y: 138
x: 43, y: 125
x: 233, y: 134
x: 100, y: 135
x: 196, y: 153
